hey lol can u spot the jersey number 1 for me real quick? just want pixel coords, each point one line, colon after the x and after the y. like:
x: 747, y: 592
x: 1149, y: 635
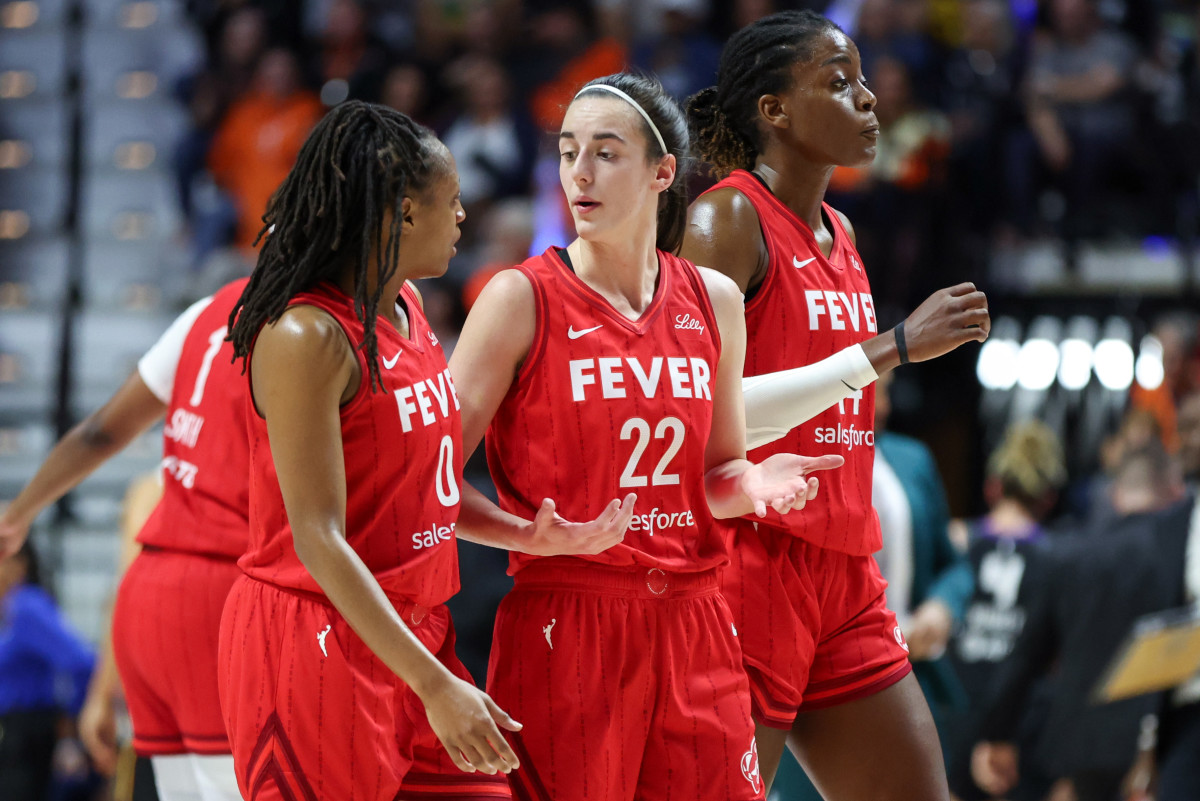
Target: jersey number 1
x: 214, y: 344
x: 638, y: 426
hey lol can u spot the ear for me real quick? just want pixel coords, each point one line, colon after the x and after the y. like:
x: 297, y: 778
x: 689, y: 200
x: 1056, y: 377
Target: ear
x: 664, y: 173
x: 406, y: 209
x: 771, y: 109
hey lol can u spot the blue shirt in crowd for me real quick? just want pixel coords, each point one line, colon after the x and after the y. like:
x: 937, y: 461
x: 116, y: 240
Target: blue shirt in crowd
x: 43, y: 663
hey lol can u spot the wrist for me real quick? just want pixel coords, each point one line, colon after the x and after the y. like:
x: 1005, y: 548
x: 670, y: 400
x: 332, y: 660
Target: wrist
x: 431, y: 681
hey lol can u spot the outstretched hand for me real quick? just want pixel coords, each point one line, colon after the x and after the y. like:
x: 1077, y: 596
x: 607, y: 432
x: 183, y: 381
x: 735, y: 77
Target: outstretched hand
x: 947, y: 319
x: 783, y: 483
x: 551, y: 534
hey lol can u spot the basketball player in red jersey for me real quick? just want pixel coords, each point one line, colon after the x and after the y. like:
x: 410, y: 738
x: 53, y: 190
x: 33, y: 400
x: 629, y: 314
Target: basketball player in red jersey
x: 827, y: 662
x: 612, y: 366
x: 337, y: 670
x: 169, y: 602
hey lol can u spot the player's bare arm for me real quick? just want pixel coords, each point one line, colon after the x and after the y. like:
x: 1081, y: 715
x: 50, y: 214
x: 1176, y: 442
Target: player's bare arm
x: 103, y: 433
x: 303, y: 370
x: 495, y: 340
x: 734, y: 485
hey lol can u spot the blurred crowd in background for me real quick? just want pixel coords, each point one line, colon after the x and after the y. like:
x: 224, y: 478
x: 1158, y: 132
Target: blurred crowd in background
x: 1019, y: 554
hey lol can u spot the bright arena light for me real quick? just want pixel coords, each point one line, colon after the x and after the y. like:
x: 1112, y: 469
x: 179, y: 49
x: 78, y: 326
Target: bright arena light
x: 1038, y: 364
x: 1075, y: 363
x: 998, y: 364
x: 1114, y: 364
x: 1149, y: 367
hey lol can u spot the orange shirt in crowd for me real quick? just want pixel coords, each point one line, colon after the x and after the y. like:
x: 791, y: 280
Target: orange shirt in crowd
x: 254, y: 149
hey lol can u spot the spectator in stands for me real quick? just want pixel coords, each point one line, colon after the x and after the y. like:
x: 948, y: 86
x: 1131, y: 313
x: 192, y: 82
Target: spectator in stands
x: 405, y: 87
x: 980, y: 77
x: 44, y: 670
x: 1096, y: 585
x: 677, y: 48
x: 347, y: 57
x: 259, y: 138
x: 1078, y: 111
x: 1189, y: 440
x: 491, y: 141
x: 1006, y: 551
x: 226, y: 76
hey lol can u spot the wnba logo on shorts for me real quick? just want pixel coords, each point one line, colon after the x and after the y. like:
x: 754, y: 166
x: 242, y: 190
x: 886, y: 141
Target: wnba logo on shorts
x: 899, y: 635
x: 750, y: 767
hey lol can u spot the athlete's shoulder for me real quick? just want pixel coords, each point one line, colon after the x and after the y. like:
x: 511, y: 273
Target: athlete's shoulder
x: 724, y: 232
x: 721, y: 288
x: 306, y: 328
x: 845, y: 222
x: 722, y: 206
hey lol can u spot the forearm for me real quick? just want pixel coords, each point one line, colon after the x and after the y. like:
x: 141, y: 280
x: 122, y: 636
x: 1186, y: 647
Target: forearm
x: 723, y: 489
x: 778, y: 402
x: 484, y: 523
x: 82, y: 450
x: 356, y: 594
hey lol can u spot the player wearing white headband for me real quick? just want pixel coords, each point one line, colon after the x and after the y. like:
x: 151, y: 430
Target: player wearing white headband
x: 607, y: 375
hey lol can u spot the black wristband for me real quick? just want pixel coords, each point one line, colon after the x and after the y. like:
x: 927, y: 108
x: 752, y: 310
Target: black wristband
x: 901, y: 345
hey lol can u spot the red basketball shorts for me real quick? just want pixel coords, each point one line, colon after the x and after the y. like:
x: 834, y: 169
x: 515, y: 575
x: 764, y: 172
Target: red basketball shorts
x: 629, y: 684
x: 313, y: 714
x: 815, y: 628
x: 165, y: 629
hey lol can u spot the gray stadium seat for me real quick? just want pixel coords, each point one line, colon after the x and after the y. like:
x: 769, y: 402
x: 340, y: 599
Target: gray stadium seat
x: 130, y: 206
x: 32, y: 201
x: 134, y: 64
x: 33, y: 273
x: 32, y: 63
x: 133, y: 275
x: 107, y: 346
x: 22, y: 448
x: 33, y: 131
x: 29, y: 355
x: 133, y: 134
x: 133, y: 14
x: 35, y: 15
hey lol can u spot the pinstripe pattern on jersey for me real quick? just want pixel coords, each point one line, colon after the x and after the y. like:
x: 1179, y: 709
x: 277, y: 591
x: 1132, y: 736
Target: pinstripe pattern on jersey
x: 808, y: 308
x: 392, y: 474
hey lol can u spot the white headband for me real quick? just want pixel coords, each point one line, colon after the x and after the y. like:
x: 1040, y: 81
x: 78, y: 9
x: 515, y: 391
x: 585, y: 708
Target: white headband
x: 632, y: 102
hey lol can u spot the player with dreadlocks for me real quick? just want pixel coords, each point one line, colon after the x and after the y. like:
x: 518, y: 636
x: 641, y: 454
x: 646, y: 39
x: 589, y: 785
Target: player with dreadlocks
x: 337, y: 670
x: 828, y: 665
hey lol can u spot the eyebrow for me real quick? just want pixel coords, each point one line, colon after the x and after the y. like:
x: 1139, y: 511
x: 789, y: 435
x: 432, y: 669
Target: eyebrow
x: 595, y: 137
x: 840, y: 58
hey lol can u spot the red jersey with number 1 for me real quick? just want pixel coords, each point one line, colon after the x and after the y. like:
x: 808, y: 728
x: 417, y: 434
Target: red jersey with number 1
x: 808, y: 308
x: 403, y: 461
x: 205, y: 452
x: 604, y: 406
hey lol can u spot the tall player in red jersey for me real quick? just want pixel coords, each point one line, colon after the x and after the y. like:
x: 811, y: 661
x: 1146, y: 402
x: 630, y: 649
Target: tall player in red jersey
x: 337, y: 669
x: 169, y: 602
x: 827, y: 662
x: 612, y: 367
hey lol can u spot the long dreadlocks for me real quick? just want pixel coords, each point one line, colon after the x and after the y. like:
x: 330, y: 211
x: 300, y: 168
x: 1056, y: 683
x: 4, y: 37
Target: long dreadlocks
x: 358, y: 162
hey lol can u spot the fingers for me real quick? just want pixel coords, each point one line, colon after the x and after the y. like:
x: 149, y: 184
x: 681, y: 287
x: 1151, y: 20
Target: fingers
x: 624, y: 513
x: 829, y: 461
x: 460, y: 761
x: 959, y: 290
x: 501, y: 717
x: 760, y: 508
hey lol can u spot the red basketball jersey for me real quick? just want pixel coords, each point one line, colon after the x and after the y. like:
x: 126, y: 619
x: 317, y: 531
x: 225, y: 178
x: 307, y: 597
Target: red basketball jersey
x: 808, y: 308
x: 403, y: 457
x: 206, y: 453
x: 604, y: 406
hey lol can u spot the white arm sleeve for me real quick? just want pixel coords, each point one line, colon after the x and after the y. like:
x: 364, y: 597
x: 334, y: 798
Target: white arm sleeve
x: 157, y: 366
x: 778, y: 402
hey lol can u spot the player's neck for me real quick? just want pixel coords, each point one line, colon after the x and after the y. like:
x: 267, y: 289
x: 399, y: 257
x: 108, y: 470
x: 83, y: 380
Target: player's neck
x: 1009, y: 519
x: 797, y: 182
x: 624, y: 272
x: 387, y: 301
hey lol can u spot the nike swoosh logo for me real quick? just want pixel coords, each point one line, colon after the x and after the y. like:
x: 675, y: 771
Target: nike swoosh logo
x: 388, y: 364
x: 798, y: 264
x: 573, y: 334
